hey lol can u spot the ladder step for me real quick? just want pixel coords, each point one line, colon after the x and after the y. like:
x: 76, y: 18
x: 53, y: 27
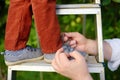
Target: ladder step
x: 67, y: 6
x: 45, y: 67
x: 78, y: 9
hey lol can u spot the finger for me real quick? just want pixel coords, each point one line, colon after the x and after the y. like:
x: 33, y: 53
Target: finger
x: 74, y: 46
x: 61, y: 61
x: 54, y: 65
x: 76, y: 55
x: 57, y: 61
x: 67, y: 54
x: 65, y: 38
x: 57, y: 57
x: 63, y: 58
x: 71, y: 34
x: 72, y: 42
x: 59, y: 51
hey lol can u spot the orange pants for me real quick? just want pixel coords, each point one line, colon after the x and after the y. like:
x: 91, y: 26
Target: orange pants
x: 19, y: 23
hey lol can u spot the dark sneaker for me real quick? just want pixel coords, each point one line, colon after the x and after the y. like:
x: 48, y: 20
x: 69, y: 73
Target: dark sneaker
x: 27, y: 54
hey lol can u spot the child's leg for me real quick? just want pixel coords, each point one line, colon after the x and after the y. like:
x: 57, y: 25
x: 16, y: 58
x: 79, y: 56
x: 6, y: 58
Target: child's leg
x: 18, y: 24
x: 48, y: 28
x: 17, y: 33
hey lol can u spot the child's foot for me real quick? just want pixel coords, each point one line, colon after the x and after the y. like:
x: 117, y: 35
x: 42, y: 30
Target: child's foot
x: 26, y: 54
x: 49, y: 57
x: 67, y: 48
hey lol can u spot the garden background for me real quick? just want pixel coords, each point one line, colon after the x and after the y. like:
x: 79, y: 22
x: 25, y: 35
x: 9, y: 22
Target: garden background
x: 68, y: 23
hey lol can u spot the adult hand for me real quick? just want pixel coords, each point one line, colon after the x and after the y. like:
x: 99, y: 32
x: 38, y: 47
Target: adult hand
x: 81, y: 43
x: 75, y: 69
x: 76, y: 40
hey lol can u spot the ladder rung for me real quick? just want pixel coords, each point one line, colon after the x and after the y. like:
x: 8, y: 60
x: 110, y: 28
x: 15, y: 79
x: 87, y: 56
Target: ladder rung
x: 72, y: 6
x: 78, y: 11
x: 43, y: 66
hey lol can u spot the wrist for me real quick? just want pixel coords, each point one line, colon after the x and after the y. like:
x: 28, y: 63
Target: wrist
x: 87, y: 77
x: 91, y: 47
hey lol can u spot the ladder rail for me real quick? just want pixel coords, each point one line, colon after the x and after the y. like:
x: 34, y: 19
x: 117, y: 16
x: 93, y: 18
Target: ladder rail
x: 99, y: 38
x: 97, y: 1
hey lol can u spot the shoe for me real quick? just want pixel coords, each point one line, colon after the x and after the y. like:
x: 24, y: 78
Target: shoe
x: 49, y: 57
x: 27, y: 54
x: 67, y: 48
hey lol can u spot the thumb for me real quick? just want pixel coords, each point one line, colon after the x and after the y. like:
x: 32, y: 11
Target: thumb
x: 70, y: 34
x: 64, y: 37
x: 59, y: 51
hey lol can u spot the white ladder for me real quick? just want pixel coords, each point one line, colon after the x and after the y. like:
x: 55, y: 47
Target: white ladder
x: 93, y: 65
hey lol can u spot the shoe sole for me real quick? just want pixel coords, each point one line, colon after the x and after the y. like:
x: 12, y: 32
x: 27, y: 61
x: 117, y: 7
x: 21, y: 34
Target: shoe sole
x: 47, y: 61
x: 23, y: 61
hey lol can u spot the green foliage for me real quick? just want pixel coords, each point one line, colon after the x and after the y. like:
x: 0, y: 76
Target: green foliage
x: 38, y: 75
x: 111, y: 22
x: 69, y: 23
x: 106, y: 2
x: 118, y: 1
x: 33, y: 36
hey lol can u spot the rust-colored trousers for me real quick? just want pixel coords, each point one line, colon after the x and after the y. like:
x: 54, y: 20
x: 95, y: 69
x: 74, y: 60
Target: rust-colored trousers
x: 19, y: 23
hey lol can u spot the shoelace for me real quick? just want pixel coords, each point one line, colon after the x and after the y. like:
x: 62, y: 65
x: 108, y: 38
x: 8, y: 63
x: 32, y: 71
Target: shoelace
x: 29, y: 48
x: 19, y: 52
x: 67, y: 48
x: 14, y: 53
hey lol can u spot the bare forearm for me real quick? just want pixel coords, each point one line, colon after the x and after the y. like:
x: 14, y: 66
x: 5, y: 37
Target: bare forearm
x: 107, y: 50
x: 92, y: 48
